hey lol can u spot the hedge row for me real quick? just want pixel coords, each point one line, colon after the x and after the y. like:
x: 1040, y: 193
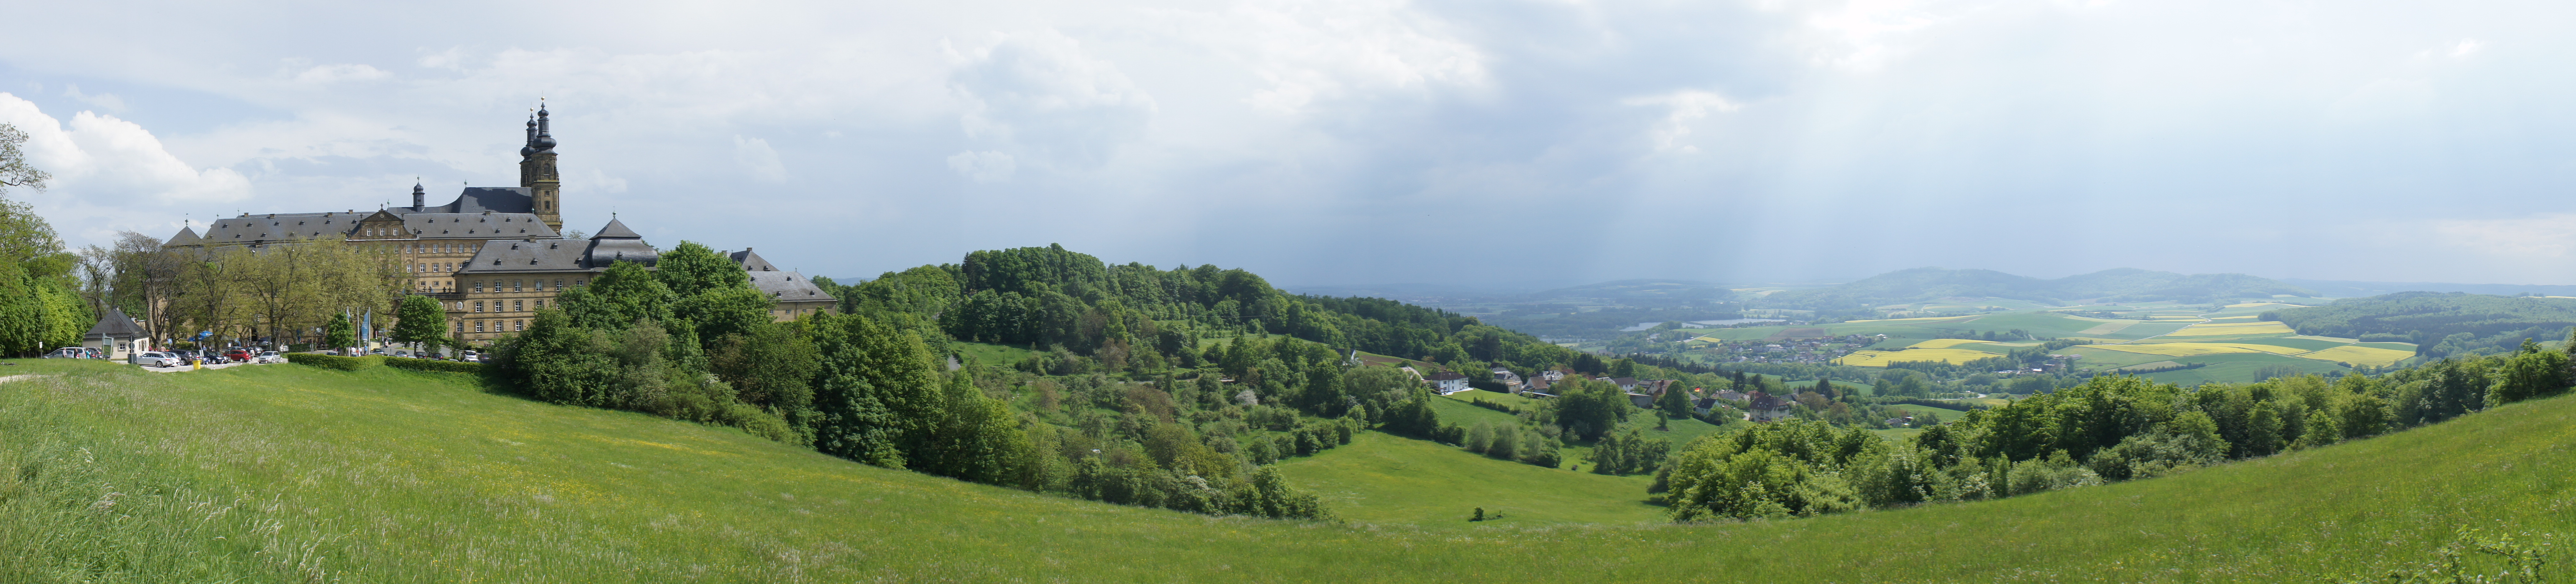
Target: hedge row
x: 432, y: 365
x: 334, y: 361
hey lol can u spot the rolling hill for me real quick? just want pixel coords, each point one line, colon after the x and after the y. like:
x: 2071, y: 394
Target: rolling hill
x: 2114, y: 285
x: 291, y: 473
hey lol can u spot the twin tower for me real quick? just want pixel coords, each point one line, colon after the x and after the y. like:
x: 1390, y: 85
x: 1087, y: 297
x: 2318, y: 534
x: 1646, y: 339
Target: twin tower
x: 537, y: 176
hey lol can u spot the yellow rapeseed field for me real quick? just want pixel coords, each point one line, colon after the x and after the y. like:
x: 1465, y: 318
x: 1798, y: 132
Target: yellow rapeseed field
x: 2232, y: 328
x: 1882, y: 358
x: 2359, y: 355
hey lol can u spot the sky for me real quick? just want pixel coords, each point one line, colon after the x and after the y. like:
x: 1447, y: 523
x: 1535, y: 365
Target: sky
x: 1491, y: 142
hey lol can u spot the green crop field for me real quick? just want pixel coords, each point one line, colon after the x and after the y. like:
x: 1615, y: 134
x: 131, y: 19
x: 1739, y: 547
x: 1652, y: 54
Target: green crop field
x: 288, y: 473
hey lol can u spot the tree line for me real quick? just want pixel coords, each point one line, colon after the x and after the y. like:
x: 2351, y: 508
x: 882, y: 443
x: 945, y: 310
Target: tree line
x: 2108, y: 429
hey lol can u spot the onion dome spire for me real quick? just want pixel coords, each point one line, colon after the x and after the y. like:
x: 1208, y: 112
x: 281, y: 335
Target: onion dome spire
x: 529, y: 148
x: 545, y: 139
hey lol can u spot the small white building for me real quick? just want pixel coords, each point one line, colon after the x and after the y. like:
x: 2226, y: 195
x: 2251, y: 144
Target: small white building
x: 115, y: 336
x: 1449, y: 382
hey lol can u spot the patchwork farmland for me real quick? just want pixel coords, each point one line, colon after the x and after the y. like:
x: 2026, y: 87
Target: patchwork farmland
x: 2165, y: 341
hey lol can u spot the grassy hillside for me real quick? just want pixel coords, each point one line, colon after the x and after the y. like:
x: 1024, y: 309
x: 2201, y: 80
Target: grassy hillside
x: 280, y: 473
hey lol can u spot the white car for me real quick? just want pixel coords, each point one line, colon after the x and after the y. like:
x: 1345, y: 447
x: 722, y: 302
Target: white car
x: 155, y: 359
x: 268, y: 357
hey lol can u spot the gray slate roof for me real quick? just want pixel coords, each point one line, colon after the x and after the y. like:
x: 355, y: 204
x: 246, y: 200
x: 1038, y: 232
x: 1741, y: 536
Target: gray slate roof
x: 296, y: 226
x: 505, y: 256
x: 479, y: 199
x: 116, y: 325
x: 281, y: 226
x: 787, y: 286
x: 476, y: 225
x: 186, y: 236
x: 553, y: 254
x: 751, y: 262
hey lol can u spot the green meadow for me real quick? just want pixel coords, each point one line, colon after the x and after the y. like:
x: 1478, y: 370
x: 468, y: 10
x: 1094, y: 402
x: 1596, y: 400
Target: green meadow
x: 288, y: 473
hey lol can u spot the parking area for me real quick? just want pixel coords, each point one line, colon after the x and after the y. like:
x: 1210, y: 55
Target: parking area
x: 188, y: 368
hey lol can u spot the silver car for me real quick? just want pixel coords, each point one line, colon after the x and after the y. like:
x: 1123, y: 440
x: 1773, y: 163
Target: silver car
x: 155, y: 359
x: 268, y: 357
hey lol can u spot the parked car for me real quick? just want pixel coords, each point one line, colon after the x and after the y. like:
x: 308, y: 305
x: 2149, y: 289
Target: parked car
x: 269, y: 357
x: 155, y: 359
x: 237, y: 355
x: 471, y: 357
x: 69, y: 353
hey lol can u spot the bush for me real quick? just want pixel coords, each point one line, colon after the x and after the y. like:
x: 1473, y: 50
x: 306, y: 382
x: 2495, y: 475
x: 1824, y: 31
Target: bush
x: 333, y: 361
x: 430, y: 364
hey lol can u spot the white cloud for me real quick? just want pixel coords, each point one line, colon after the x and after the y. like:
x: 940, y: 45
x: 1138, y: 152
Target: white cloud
x: 984, y: 167
x: 104, y: 160
x: 1042, y: 95
x: 1304, y: 52
x: 758, y: 159
x: 1684, y: 107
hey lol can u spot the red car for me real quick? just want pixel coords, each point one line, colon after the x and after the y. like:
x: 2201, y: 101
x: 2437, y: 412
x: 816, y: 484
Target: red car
x: 237, y: 355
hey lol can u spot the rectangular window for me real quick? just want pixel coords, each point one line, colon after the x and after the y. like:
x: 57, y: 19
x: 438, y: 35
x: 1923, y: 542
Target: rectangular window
x: 478, y: 326
x: 540, y: 285
x: 460, y: 326
x: 541, y: 304
x: 518, y: 306
x: 478, y: 306
x: 514, y: 285
x: 558, y: 283
x: 518, y: 325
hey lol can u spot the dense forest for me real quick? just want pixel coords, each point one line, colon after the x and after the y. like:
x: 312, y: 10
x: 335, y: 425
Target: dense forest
x: 2440, y: 324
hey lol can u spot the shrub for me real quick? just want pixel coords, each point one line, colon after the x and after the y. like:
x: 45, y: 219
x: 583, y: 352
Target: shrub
x: 431, y: 365
x: 333, y: 361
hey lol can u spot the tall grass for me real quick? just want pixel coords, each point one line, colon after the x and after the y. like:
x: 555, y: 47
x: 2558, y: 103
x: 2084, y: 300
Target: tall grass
x: 286, y: 473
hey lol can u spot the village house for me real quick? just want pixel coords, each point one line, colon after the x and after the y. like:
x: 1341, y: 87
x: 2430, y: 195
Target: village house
x: 1766, y: 407
x: 1537, y: 386
x: 1449, y: 382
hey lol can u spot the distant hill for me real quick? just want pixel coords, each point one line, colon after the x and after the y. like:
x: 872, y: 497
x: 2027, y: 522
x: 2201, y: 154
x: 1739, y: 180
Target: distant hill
x: 2354, y: 289
x: 2439, y: 323
x: 1651, y: 291
x: 2116, y: 285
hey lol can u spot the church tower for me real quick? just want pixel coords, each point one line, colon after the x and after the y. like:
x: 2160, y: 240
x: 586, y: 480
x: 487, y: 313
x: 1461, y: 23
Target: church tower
x: 537, y: 171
